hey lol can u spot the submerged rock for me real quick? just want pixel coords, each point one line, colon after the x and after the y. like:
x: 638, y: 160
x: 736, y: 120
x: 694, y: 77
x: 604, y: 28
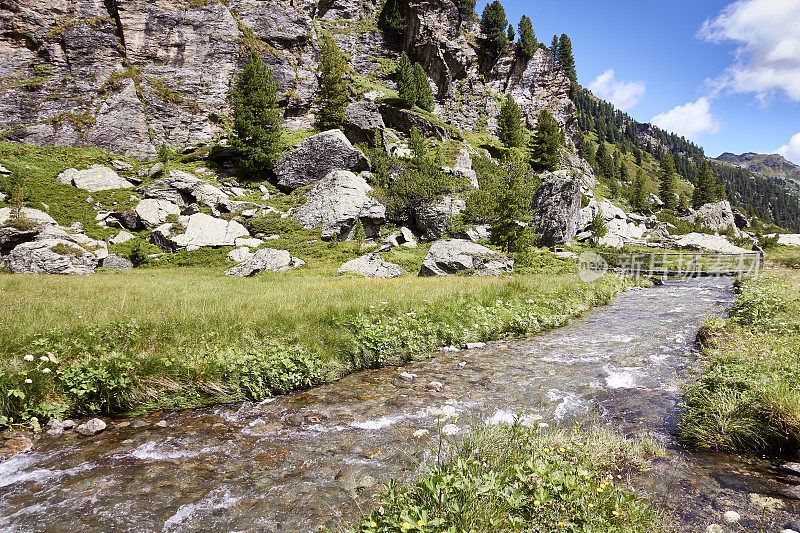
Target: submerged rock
x: 90, y: 427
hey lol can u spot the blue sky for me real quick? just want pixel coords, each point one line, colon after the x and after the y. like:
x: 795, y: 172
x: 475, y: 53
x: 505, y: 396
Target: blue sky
x: 724, y: 74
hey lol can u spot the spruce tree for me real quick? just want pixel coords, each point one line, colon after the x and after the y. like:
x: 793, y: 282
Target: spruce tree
x: 423, y: 88
x: 705, y: 187
x: 510, y: 130
x: 527, y: 39
x: 554, y: 48
x: 466, y: 8
x: 668, y: 186
x: 257, y: 119
x: 638, y: 196
x: 392, y: 20
x: 543, y: 149
x: 511, y: 207
x: 511, y: 35
x: 332, y: 85
x: 567, y: 62
x: 406, y: 82
x: 493, y: 25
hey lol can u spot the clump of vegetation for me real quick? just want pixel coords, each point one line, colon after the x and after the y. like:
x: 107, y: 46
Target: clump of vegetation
x: 257, y: 118
x: 543, y: 149
x: 392, y: 19
x: 333, y: 88
x: 746, y: 395
x: 598, y: 226
x: 413, y: 85
x: 513, y: 478
x: 667, y: 189
x: 67, y: 250
x: 18, y: 219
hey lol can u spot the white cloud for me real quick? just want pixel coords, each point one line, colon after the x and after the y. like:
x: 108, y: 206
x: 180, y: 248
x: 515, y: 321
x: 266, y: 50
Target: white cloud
x: 791, y: 151
x: 623, y: 94
x: 767, y: 33
x: 690, y: 120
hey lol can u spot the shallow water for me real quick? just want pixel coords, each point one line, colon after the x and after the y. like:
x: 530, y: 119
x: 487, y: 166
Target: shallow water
x: 315, y: 458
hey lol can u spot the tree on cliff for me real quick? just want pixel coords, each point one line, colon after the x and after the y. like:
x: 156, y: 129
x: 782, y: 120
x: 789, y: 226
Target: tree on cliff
x: 493, y: 25
x: 466, y: 8
x: 413, y: 85
x: 567, y: 62
x: 424, y: 91
x: 392, y: 20
x: 554, y: 48
x: 510, y: 131
x: 705, y: 189
x: 511, y: 35
x: 527, y: 39
x: 543, y: 149
x: 257, y: 119
x: 332, y: 85
x: 668, y: 186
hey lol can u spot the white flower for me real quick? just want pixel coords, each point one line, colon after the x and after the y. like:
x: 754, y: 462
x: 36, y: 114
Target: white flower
x: 45, y: 370
x: 529, y: 301
x: 731, y: 517
x: 450, y: 430
x: 28, y: 381
x: 421, y: 433
x: 544, y: 425
x: 44, y: 359
x: 28, y: 357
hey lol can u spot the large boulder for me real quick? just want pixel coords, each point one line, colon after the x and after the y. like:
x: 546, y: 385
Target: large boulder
x: 184, y: 189
x: 717, y: 216
x: 709, y: 243
x: 195, y: 231
x: 619, y: 229
x: 463, y: 168
x: 434, y: 219
x: 93, y: 179
x: 404, y: 120
x: 316, y: 157
x: 337, y: 202
x: 152, y: 212
x: 371, y: 266
x: 456, y: 255
x: 34, y: 215
x: 116, y: 262
x: 789, y: 239
x: 11, y: 237
x: 265, y: 260
x: 51, y: 256
x: 361, y: 121
x: 556, y: 208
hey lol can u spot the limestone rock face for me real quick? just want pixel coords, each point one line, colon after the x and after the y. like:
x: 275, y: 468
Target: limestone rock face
x: 435, y: 219
x: 404, y: 120
x: 265, y: 260
x: 316, y: 157
x: 362, y: 119
x: 455, y: 255
x: 96, y: 178
x: 556, y: 208
x: 371, y: 266
x: 337, y: 202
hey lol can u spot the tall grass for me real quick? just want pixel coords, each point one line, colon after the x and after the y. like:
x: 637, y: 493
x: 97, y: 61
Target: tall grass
x: 746, y: 394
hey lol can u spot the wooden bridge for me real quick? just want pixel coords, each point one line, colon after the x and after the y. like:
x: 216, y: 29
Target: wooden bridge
x: 674, y: 264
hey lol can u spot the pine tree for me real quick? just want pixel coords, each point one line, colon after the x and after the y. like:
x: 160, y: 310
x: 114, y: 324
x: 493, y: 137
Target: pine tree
x: 493, y: 25
x: 466, y: 8
x: 604, y: 162
x: 257, y: 119
x: 543, y: 149
x: 511, y: 207
x: 423, y: 88
x: 332, y: 85
x: 511, y: 35
x: 668, y: 186
x: 510, y: 130
x: 554, y: 48
x: 567, y: 62
x: 392, y: 20
x: 527, y: 39
x: 406, y: 82
x: 638, y: 197
x: 705, y: 189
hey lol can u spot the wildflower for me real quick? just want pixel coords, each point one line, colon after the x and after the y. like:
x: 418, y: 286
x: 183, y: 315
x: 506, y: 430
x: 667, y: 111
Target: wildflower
x: 44, y: 359
x: 450, y: 430
x: 406, y: 526
x: 373, y: 524
x: 543, y: 425
x: 28, y: 357
x: 28, y: 381
x: 583, y: 473
x: 615, y: 512
x: 731, y: 517
x: 537, y: 502
x: 599, y: 489
x: 591, y: 506
x: 562, y: 450
x: 45, y: 370
x: 420, y: 522
x: 420, y: 433
x: 560, y: 524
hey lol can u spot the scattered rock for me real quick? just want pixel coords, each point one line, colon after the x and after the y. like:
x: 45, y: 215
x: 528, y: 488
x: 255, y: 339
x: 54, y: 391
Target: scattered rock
x: 122, y: 166
x: 463, y: 168
x: 556, y: 206
x: 199, y: 230
x: 435, y: 219
x: 91, y: 427
x: 249, y: 242
x: 116, y: 262
x: 239, y: 255
x: 362, y: 120
x: 153, y: 212
x: 406, y: 376
x: 434, y: 386
x: 265, y: 260
x: 160, y: 424
x: 184, y: 189
x: 93, y: 179
x: 371, y: 266
x: 54, y: 433
x: 122, y: 236
x: 475, y: 345
x: 68, y: 424
x: 316, y: 157
x: 337, y: 202
x: 456, y: 255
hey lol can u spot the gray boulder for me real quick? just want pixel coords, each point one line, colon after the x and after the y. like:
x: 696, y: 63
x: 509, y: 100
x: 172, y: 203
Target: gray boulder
x: 90, y: 427
x: 153, y: 212
x: 717, y: 216
x: 34, y: 215
x: 240, y: 255
x: 337, y: 202
x: 708, y: 243
x: 405, y: 121
x: 456, y: 255
x: 116, y: 262
x: 184, y: 189
x: 316, y: 157
x: 401, y: 237
x: 51, y: 256
x: 463, y: 168
x: 362, y: 119
x: 198, y: 230
x: 265, y: 260
x: 122, y: 236
x: 371, y: 266
x: 556, y: 208
x: 13, y: 237
x: 93, y: 179
x: 435, y: 219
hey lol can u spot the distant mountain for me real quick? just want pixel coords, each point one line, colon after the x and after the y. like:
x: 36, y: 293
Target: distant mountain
x: 772, y: 167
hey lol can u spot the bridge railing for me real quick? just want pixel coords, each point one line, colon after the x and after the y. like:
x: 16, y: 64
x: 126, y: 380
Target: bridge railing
x: 672, y: 264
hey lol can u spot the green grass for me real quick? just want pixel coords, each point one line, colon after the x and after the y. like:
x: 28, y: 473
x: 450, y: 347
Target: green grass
x: 746, y: 394
x: 522, y: 479
x: 191, y: 336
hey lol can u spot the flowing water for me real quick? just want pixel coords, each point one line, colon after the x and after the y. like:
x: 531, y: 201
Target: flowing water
x: 315, y: 458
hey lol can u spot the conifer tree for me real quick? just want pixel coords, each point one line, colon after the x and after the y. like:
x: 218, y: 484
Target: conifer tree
x: 511, y: 207
x: 511, y: 35
x: 705, y: 189
x: 423, y: 88
x: 638, y: 195
x: 543, y: 149
x: 668, y: 186
x: 567, y: 62
x: 406, y: 82
x: 527, y: 39
x: 392, y: 20
x: 257, y: 119
x: 332, y: 85
x: 493, y: 25
x: 466, y: 8
x: 510, y: 130
x: 554, y: 48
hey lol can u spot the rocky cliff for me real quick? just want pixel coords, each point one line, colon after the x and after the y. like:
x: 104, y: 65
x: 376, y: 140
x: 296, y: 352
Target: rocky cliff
x: 129, y: 75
